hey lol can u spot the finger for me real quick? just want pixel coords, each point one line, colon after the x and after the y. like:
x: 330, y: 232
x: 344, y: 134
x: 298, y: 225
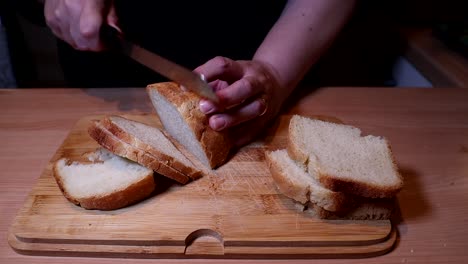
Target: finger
x: 221, y: 68
x: 218, y: 85
x: 239, y: 91
x: 65, y: 28
x: 51, y: 18
x: 112, y: 19
x: 75, y: 9
x: 208, y: 107
x: 56, y: 16
x: 245, y: 113
x: 52, y: 21
x: 90, y: 22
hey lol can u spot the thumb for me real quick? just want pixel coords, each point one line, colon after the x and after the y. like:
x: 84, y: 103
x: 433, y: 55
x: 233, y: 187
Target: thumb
x: 112, y: 19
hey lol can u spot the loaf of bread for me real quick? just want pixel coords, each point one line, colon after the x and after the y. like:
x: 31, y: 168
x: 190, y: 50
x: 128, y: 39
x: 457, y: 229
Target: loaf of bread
x: 179, y: 113
x: 342, y: 160
x: 157, y: 161
x: 102, y: 180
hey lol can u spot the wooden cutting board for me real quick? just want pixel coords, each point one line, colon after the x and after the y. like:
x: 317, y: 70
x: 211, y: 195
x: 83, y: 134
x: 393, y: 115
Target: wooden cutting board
x: 233, y: 212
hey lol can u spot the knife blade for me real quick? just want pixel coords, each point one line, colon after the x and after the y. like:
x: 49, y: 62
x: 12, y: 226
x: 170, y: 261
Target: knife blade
x: 171, y: 70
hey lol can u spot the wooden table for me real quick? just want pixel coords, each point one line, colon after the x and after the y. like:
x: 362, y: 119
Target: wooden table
x: 428, y: 129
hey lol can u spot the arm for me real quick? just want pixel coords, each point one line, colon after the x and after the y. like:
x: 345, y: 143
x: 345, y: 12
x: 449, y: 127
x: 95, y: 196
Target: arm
x: 252, y: 92
x: 300, y: 36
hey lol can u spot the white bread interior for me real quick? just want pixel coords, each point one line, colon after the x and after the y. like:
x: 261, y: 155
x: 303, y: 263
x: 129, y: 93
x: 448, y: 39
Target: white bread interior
x: 182, y: 119
x: 155, y: 161
x: 343, y: 160
x: 294, y: 182
x: 151, y: 140
x: 103, y: 180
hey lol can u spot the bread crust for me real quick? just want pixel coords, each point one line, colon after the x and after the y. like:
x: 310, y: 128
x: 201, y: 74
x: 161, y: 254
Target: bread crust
x: 118, y: 132
x: 295, y: 151
x: 216, y: 145
x: 299, y: 193
x: 332, y: 201
x: 115, y: 200
x: 117, y: 146
x: 370, y: 209
x: 359, y: 188
x: 337, y: 184
x: 362, y: 188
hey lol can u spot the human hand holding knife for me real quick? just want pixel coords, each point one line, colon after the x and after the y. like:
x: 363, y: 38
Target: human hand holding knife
x: 247, y: 92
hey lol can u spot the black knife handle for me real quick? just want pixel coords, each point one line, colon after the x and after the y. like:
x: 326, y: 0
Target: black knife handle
x: 111, y: 37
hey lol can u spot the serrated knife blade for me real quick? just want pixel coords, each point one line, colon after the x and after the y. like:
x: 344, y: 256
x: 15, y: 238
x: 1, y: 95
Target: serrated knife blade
x: 159, y: 64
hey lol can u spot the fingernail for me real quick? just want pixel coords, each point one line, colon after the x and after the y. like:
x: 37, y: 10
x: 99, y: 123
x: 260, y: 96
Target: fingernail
x: 217, y: 123
x: 202, y: 76
x: 206, y: 107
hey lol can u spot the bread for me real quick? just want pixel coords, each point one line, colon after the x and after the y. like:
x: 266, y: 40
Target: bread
x: 151, y: 140
x: 179, y: 113
x: 294, y: 182
x: 103, y: 180
x: 371, y: 209
x: 109, y: 141
x: 342, y: 160
x: 332, y: 172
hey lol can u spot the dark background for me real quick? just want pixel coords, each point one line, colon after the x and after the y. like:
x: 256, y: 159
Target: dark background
x: 362, y: 55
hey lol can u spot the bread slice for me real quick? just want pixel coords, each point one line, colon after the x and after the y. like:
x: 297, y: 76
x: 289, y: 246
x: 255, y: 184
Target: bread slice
x: 151, y: 140
x: 293, y: 181
x: 371, y: 209
x: 179, y: 113
x: 103, y: 180
x: 342, y: 160
x: 109, y: 141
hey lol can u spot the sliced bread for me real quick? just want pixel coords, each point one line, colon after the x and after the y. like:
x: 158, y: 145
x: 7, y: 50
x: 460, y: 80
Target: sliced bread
x: 179, y: 113
x: 293, y: 181
x: 151, y: 140
x: 372, y: 209
x: 109, y: 141
x: 102, y: 180
x: 342, y: 160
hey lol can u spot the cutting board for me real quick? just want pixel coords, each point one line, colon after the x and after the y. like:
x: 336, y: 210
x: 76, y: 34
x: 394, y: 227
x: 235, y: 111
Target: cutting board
x: 235, y: 211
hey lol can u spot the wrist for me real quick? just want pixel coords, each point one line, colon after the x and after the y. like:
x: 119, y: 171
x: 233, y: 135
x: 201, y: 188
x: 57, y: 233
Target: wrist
x: 283, y: 85
x: 278, y: 88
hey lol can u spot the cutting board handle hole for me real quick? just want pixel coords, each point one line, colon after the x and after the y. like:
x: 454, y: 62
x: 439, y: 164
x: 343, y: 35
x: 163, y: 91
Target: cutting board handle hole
x: 204, y: 242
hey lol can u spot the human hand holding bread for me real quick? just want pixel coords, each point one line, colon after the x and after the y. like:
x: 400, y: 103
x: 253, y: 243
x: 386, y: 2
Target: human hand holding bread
x: 249, y: 96
x: 247, y: 89
x: 251, y: 90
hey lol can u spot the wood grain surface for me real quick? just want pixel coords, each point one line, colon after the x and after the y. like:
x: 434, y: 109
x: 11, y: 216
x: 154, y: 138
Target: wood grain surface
x: 237, y: 205
x: 428, y: 129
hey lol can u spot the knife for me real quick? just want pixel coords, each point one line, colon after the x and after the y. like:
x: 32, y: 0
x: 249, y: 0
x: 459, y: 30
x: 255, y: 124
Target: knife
x: 114, y: 40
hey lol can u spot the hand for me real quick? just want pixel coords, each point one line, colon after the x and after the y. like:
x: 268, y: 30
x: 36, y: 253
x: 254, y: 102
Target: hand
x: 78, y: 22
x: 249, y: 96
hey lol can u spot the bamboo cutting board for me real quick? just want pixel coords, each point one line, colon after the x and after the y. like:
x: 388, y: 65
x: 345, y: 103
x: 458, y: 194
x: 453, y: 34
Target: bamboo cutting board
x: 233, y: 212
